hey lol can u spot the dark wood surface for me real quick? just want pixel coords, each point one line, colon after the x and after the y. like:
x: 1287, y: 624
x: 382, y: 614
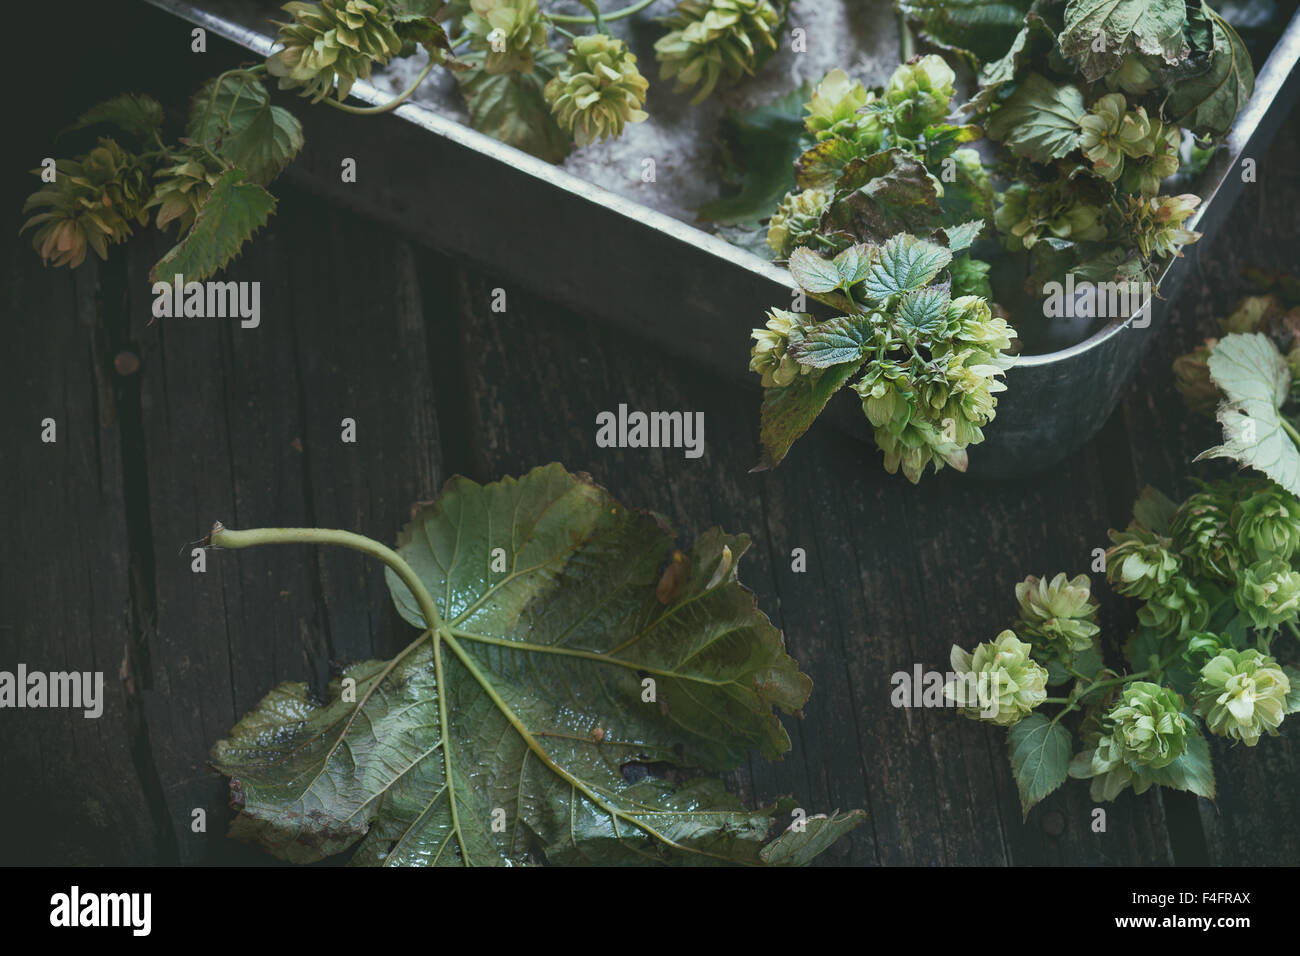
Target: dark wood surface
x: 243, y: 426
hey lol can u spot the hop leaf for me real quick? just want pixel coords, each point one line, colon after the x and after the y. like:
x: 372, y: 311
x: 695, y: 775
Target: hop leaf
x: 710, y: 39
x: 180, y: 190
x: 502, y: 736
x: 598, y: 89
x: 231, y: 213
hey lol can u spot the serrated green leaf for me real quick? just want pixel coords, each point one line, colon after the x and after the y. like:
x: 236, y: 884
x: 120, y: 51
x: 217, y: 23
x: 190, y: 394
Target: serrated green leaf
x: 961, y: 236
x: 834, y: 342
x: 905, y: 263
x: 1040, y: 758
x: 789, y: 412
x: 1254, y: 379
x: 970, y: 277
x: 510, y: 106
x: 978, y: 29
x: 1209, y: 93
x: 1034, y: 37
x: 882, y: 195
x: 1154, y: 510
x: 813, y: 273
x: 854, y: 263
x: 237, y: 121
x: 233, y: 211
x: 1098, y: 33
x: 1190, y: 771
x: 1039, y: 120
x: 921, y: 311
x: 506, y: 735
x: 763, y: 142
x: 135, y: 114
x: 819, y: 166
x: 799, y: 847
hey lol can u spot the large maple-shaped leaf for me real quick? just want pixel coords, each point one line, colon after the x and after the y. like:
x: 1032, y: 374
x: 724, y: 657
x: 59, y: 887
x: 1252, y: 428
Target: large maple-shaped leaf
x: 1255, y: 381
x: 1098, y: 33
x: 511, y: 107
x: 978, y: 29
x: 1039, y: 120
x: 1212, y: 86
x: 555, y: 710
x: 236, y: 119
x: 883, y: 194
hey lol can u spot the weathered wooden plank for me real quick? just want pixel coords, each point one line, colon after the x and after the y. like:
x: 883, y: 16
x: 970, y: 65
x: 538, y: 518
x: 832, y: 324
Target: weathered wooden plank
x: 243, y: 426
x: 72, y: 790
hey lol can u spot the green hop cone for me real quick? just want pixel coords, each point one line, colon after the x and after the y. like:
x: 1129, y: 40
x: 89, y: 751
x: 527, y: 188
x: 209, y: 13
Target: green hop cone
x: 1268, y: 523
x: 507, y: 31
x: 1202, y: 533
x: 835, y: 105
x: 770, y: 356
x: 920, y: 92
x: 1101, y: 140
x: 999, y: 682
x: 795, y: 221
x: 930, y: 412
x: 598, y: 90
x: 1156, y: 223
x: 712, y: 38
x: 1059, y: 614
x: 329, y: 45
x: 1027, y: 215
x: 1268, y: 592
x: 1175, y: 608
x: 91, y: 204
x: 1146, y: 727
x: 1140, y: 564
x: 180, y: 189
x: 1192, y: 379
x: 1241, y: 695
x: 1144, y: 175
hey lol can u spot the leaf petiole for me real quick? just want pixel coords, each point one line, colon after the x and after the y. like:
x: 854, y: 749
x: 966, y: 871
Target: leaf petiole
x: 391, y: 104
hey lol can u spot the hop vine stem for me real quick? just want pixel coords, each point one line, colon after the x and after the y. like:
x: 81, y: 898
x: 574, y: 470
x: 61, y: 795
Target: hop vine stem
x: 391, y: 104
x: 606, y: 17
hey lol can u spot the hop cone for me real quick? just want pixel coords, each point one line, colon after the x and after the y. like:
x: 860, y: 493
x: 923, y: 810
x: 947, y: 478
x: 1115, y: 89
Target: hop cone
x: 1268, y: 523
x: 507, y: 31
x: 1202, y: 533
x: 91, y: 204
x: 710, y: 38
x: 1241, y: 695
x: 770, y: 356
x: 1146, y: 726
x: 920, y: 93
x: 929, y: 412
x: 795, y: 221
x: 180, y: 189
x: 332, y: 43
x: 1156, y: 223
x: 1061, y: 612
x: 598, y: 89
x: 1192, y: 379
x: 1269, y: 593
x: 999, y: 682
x: 1140, y: 564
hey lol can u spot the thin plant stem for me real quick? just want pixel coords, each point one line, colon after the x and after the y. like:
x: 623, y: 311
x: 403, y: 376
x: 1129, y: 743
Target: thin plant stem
x: 391, y: 104
x: 606, y: 17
